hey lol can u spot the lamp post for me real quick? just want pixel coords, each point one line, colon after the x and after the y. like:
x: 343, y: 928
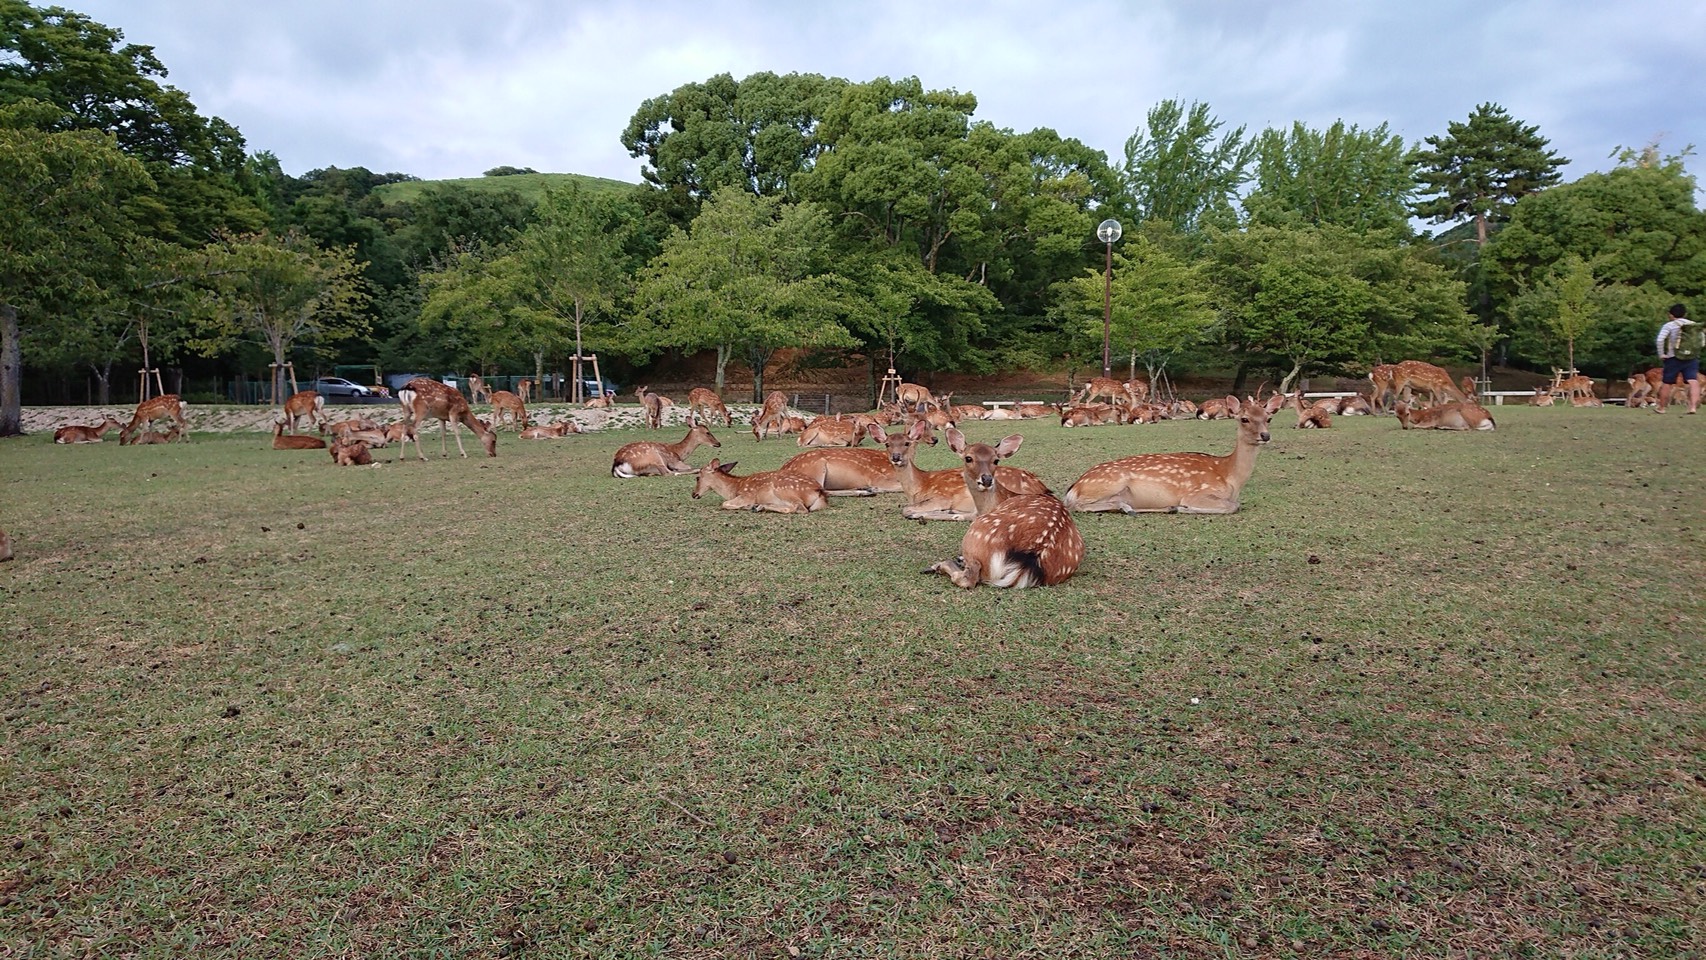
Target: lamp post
x: 1108, y: 231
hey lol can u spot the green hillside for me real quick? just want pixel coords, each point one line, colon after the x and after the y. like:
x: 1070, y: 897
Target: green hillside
x: 527, y: 184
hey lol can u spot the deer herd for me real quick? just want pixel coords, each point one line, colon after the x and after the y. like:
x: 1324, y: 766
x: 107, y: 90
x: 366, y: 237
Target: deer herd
x: 1020, y: 532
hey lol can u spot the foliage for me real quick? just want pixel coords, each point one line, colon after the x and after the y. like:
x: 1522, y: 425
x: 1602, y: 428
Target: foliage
x: 1481, y: 168
x: 1178, y: 172
x: 1160, y: 304
x: 508, y: 171
x: 1342, y: 176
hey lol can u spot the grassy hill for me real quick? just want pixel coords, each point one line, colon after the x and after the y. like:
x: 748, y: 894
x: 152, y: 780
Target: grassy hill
x: 527, y: 184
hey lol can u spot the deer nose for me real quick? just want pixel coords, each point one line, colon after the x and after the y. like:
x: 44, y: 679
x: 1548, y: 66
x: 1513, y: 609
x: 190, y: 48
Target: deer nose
x: 986, y: 481
x: 1264, y: 436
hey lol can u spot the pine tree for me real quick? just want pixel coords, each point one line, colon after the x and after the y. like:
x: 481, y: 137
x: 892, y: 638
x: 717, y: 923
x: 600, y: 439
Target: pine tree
x: 1481, y: 168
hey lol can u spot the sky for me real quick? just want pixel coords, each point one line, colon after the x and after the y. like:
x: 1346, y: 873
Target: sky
x: 451, y: 88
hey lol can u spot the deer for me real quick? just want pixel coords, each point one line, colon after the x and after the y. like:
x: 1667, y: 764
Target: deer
x: 846, y: 471
x: 1220, y: 408
x: 1137, y: 389
x: 305, y: 403
x: 1033, y: 411
x: 293, y: 441
x: 1411, y: 376
x: 507, y: 404
x: 1573, y: 387
x: 555, y: 431
x: 75, y: 433
x: 1089, y: 415
x: 350, y: 453
x: 774, y: 410
x: 346, y: 426
x: 1542, y: 396
x: 1114, y: 390
x: 171, y: 435
x: 1316, y: 415
x: 1445, y: 416
x: 1017, y: 539
x: 164, y: 407
x: 399, y: 433
x: 1355, y: 405
x: 703, y: 402
x: 524, y: 389
x: 5, y: 547
x: 655, y: 404
x: 425, y: 397
x: 968, y: 411
x: 478, y: 392
x: 649, y: 458
x: 910, y: 395
x: 1470, y: 388
x: 836, y: 431
x: 941, y: 494
x: 1590, y: 400
x: 603, y: 401
x: 774, y: 492
x: 1175, y: 482
x: 1182, y: 409
x: 1644, y: 387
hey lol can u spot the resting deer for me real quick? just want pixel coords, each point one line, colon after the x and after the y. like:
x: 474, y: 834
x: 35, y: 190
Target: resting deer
x: 555, y: 431
x: 81, y: 434
x: 305, y: 403
x: 343, y: 427
x: 149, y: 436
x: 508, y: 405
x: 846, y: 471
x: 1182, y: 409
x: 1316, y: 415
x: 1017, y: 540
x: 1089, y: 415
x: 478, y: 392
x: 655, y: 404
x: 351, y: 453
x: 602, y: 401
x: 649, y: 458
x: 1356, y: 405
x: 1446, y: 416
x: 164, y: 407
x: 1175, y: 482
x: 774, y: 492
x: 968, y: 411
x: 294, y: 441
x: 399, y: 433
x: 1542, y: 396
x: 836, y: 431
x: 941, y: 494
x: 703, y: 403
x: 1220, y: 408
x: 425, y: 397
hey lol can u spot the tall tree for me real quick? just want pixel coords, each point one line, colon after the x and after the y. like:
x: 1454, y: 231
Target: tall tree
x: 1343, y: 176
x: 1480, y: 168
x: 1159, y: 303
x: 1180, y: 169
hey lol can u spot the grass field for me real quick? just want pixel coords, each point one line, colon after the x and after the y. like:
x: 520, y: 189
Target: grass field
x: 1427, y: 695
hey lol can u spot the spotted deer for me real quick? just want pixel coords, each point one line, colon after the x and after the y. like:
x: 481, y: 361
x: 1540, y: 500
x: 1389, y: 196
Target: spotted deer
x: 507, y: 405
x: 846, y: 471
x: 305, y: 403
x: 649, y: 458
x: 655, y: 404
x: 773, y: 492
x: 703, y: 403
x: 836, y: 431
x: 775, y: 410
x: 1017, y: 539
x: 1175, y: 482
x: 941, y: 494
x: 424, y: 397
x: 75, y: 433
x: 1445, y: 416
x: 294, y: 441
x: 164, y: 407
x: 553, y: 431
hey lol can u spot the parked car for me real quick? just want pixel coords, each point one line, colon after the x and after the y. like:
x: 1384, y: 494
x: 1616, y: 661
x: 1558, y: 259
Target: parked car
x: 591, y: 387
x: 339, y: 387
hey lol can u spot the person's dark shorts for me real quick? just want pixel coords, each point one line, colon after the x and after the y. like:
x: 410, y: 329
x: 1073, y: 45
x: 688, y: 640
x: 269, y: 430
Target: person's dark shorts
x: 1681, y: 370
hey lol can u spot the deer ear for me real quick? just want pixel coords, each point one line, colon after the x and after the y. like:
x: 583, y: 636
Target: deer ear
x: 920, y: 430
x: 725, y: 468
x: 876, y: 432
x: 1233, y: 403
x: 956, y: 440
x: 1008, y: 446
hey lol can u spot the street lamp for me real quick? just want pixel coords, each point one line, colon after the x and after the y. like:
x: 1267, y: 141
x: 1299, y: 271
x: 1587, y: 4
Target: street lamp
x: 1108, y: 231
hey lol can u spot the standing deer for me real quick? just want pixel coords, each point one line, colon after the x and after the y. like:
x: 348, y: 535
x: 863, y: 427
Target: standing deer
x: 293, y: 442
x: 524, y: 389
x: 1175, y: 482
x: 81, y: 434
x: 425, y: 397
x: 703, y: 403
x: 305, y: 403
x: 942, y: 494
x: 1017, y: 540
x: 655, y: 404
x: 776, y: 491
x: 910, y: 395
x: 506, y: 404
x: 1412, y: 376
x: 1114, y: 390
x: 846, y: 471
x: 1446, y: 416
x: 478, y: 392
x: 1644, y: 387
x: 1137, y: 389
x: 774, y: 411
x: 649, y: 458
x: 164, y: 407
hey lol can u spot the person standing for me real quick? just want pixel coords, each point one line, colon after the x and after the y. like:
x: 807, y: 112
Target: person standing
x: 1680, y: 342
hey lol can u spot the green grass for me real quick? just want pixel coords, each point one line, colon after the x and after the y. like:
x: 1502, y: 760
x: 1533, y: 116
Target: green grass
x: 1448, y: 694
x: 530, y: 185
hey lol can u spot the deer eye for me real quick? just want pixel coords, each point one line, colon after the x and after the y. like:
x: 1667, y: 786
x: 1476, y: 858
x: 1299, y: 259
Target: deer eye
x: 968, y: 459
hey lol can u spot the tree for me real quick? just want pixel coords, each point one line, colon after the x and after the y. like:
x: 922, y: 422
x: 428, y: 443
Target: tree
x: 279, y: 288
x: 1480, y: 169
x: 61, y: 230
x: 1159, y: 305
x: 748, y: 276
x: 1564, y: 307
x: 1357, y: 179
x: 1178, y: 172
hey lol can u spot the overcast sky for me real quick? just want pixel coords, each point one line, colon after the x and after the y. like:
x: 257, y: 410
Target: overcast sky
x: 451, y: 88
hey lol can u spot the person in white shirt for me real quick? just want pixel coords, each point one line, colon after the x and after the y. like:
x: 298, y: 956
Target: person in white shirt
x: 1679, y: 350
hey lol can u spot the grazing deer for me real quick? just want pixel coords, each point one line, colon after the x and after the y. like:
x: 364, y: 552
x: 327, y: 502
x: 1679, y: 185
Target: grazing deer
x: 836, y: 431
x: 425, y: 397
x: 5, y: 547
x: 1413, y: 376
x: 1469, y: 386
x: 1175, y: 482
x: 703, y: 403
x: 655, y: 404
x: 478, y: 392
x: 941, y: 494
x: 555, y: 431
x: 1017, y: 540
x: 305, y: 403
x: 775, y: 492
x: 846, y: 471
x: 351, y: 453
x: 1095, y: 387
x: 1220, y: 408
x: 774, y: 411
x: 506, y: 404
x: 294, y: 441
x: 1446, y: 416
x: 649, y: 458
x: 164, y: 407
x: 1316, y: 415
x: 80, y: 434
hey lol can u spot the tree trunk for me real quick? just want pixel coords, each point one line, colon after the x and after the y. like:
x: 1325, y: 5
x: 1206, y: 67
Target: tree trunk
x: 539, y: 373
x: 1241, y: 378
x: 1285, y: 385
x: 723, y: 351
x: 760, y: 359
x: 103, y: 382
x: 11, y: 368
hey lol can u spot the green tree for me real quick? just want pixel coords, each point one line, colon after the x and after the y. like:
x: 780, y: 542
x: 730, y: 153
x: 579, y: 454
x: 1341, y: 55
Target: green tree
x: 1180, y: 169
x: 1480, y: 168
x: 1159, y: 302
x: 749, y: 276
x: 279, y: 289
x: 1343, y: 176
